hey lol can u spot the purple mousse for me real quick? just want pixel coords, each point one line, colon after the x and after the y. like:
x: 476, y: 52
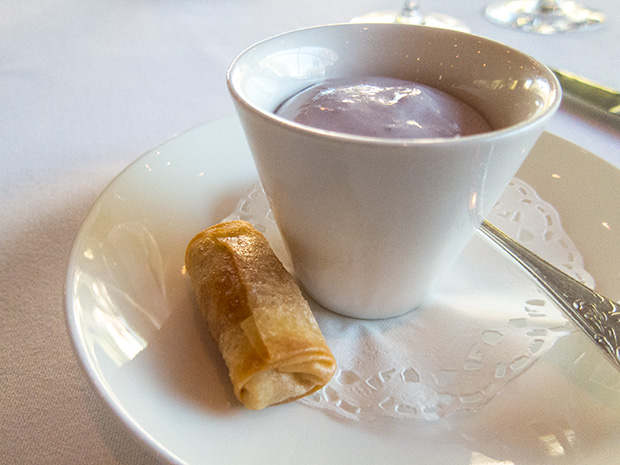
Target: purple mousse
x: 382, y: 107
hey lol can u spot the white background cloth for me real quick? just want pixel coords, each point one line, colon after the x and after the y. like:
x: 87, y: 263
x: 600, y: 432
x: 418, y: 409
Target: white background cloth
x: 88, y: 86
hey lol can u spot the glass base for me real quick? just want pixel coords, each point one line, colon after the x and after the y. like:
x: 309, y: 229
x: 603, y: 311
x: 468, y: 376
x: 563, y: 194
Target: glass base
x: 542, y: 17
x: 431, y: 20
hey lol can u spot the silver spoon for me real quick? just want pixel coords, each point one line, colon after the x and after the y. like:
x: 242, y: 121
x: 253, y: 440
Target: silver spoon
x: 597, y: 316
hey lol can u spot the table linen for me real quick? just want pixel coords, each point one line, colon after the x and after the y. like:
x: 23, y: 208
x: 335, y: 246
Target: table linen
x: 88, y: 86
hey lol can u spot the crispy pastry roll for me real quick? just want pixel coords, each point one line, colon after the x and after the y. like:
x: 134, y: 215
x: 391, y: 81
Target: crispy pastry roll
x: 254, y: 310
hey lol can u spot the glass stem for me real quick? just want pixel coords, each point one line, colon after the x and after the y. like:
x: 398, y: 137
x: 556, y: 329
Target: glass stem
x: 548, y: 6
x: 410, y: 14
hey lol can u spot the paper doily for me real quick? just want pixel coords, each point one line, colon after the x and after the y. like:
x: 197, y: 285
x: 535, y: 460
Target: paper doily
x: 486, y: 324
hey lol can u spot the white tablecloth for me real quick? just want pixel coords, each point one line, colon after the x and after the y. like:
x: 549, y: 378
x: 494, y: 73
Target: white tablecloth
x: 88, y: 86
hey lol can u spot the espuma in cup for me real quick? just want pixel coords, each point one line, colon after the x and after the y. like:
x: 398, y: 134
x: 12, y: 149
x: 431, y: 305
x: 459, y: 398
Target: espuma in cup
x: 373, y: 224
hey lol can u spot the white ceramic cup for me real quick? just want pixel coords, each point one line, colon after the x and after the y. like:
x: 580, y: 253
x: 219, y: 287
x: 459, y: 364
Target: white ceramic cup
x: 373, y: 224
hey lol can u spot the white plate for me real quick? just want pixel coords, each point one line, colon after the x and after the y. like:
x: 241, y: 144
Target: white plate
x: 131, y: 317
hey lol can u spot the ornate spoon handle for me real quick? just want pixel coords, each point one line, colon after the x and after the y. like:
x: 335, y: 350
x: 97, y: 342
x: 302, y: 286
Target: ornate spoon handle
x: 597, y: 316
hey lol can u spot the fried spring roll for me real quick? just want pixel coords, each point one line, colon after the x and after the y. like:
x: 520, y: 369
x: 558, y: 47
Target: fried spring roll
x: 254, y: 310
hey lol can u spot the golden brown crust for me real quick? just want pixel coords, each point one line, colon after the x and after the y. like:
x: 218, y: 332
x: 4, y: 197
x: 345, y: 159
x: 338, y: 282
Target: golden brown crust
x: 254, y: 310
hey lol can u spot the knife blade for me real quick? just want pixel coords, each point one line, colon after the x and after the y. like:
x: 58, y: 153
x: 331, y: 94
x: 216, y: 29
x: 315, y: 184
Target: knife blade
x: 590, y: 92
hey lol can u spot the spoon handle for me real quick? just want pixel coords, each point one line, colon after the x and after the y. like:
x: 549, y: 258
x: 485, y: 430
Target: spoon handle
x: 597, y: 316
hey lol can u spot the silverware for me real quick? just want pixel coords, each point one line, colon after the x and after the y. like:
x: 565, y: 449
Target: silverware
x: 603, y: 98
x: 597, y: 316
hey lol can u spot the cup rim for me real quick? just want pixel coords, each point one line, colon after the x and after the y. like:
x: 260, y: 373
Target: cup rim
x: 511, y: 130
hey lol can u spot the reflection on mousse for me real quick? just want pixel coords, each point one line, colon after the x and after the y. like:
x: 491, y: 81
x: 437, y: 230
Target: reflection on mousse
x: 383, y: 107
